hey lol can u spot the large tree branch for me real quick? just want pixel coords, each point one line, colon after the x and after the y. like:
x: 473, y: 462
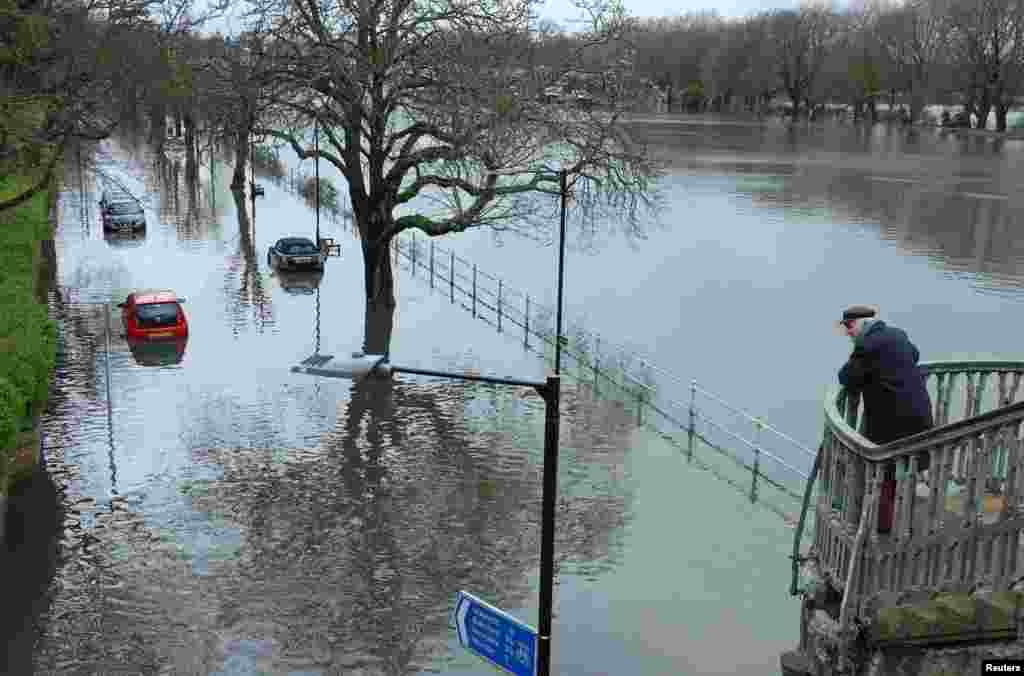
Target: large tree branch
x: 304, y: 153
x: 44, y: 179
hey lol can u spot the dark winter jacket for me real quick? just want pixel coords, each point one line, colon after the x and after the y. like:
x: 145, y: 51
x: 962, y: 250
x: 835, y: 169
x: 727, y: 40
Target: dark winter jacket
x: 883, y: 367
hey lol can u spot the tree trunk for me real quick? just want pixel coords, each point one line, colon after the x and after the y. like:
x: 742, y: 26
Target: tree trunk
x: 241, y: 158
x: 794, y: 97
x: 1001, y: 110
x: 158, y: 117
x: 379, y: 323
x: 916, y: 107
x: 190, y: 134
x: 379, y: 278
x: 984, y: 108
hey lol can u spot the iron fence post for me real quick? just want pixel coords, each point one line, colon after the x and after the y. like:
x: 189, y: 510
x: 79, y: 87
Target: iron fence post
x: 431, y: 264
x: 693, y: 418
x: 499, y: 306
x: 757, y: 459
x: 474, y: 290
x: 597, y: 356
x: 451, y: 277
x: 526, y: 328
x: 414, y: 254
x: 640, y: 401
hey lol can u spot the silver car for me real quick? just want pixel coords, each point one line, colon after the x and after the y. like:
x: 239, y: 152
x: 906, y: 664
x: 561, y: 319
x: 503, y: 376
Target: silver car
x: 121, y: 211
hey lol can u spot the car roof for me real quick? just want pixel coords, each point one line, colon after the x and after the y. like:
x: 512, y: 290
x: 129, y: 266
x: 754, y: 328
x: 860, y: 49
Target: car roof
x: 147, y: 296
x: 295, y: 240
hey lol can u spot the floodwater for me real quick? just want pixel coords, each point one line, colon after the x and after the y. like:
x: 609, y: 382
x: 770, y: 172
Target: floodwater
x: 769, y: 233
x: 222, y: 515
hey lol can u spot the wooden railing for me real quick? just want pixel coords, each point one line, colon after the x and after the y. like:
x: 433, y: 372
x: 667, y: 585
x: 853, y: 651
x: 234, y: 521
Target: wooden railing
x: 957, y: 516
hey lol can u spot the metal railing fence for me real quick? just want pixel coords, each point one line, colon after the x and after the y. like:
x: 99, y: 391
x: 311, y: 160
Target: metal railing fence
x: 748, y: 452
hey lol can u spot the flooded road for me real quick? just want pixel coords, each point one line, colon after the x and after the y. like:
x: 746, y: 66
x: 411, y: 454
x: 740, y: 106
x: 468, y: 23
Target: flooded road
x: 225, y: 516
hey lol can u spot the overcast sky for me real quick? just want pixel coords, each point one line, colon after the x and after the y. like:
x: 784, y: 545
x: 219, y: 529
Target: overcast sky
x: 563, y: 11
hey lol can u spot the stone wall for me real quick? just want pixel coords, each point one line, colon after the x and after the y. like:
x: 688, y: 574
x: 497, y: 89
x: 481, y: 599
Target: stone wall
x: 924, y: 634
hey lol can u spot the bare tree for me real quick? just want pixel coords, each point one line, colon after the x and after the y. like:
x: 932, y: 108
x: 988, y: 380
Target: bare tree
x: 60, y: 72
x: 801, y: 40
x: 420, y: 101
x: 986, y: 44
x: 914, y: 37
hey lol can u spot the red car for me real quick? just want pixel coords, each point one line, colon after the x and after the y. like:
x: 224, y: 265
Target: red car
x: 154, y: 314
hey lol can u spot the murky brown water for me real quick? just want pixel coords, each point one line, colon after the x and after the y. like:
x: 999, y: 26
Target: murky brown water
x: 229, y: 517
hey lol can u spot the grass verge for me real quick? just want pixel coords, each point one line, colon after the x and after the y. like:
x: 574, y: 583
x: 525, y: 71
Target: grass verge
x: 28, y: 338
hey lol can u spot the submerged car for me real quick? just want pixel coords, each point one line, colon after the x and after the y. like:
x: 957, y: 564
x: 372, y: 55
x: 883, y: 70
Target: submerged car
x: 154, y: 313
x: 295, y: 253
x: 121, y: 211
x: 157, y: 352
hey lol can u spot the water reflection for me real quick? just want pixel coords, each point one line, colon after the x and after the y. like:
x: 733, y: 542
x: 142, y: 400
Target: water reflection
x: 124, y: 239
x: 268, y: 523
x: 966, y: 225
x: 933, y: 192
x: 157, y: 352
x: 299, y: 282
x: 249, y: 297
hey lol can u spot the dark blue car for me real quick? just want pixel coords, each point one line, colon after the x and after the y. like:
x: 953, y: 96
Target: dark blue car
x: 295, y: 253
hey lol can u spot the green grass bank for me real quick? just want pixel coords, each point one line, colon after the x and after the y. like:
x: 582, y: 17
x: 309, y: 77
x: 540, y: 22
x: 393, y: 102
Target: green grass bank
x: 28, y: 338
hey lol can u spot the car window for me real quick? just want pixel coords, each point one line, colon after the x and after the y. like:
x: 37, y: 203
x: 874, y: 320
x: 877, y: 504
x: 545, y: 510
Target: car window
x: 157, y: 313
x: 299, y: 248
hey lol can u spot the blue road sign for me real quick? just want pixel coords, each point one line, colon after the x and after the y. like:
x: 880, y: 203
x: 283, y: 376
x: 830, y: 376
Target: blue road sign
x: 496, y: 636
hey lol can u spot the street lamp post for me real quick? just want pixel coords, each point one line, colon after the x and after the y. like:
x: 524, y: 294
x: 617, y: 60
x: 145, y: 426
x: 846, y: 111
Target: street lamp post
x: 316, y: 148
x: 362, y: 366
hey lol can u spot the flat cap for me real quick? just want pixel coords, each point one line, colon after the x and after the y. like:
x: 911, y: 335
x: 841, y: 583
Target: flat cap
x: 859, y: 312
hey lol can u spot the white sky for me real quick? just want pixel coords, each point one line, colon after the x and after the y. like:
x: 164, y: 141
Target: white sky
x: 564, y: 12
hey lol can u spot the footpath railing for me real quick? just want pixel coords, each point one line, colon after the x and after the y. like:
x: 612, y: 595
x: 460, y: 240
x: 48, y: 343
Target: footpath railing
x: 746, y: 451
x: 293, y: 180
x: 938, y: 511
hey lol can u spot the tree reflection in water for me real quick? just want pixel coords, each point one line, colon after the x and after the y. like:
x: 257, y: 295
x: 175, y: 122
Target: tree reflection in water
x: 348, y: 554
x: 250, y: 295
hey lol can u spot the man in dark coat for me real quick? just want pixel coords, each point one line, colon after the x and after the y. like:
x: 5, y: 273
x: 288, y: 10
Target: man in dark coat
x: 883, y: 368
